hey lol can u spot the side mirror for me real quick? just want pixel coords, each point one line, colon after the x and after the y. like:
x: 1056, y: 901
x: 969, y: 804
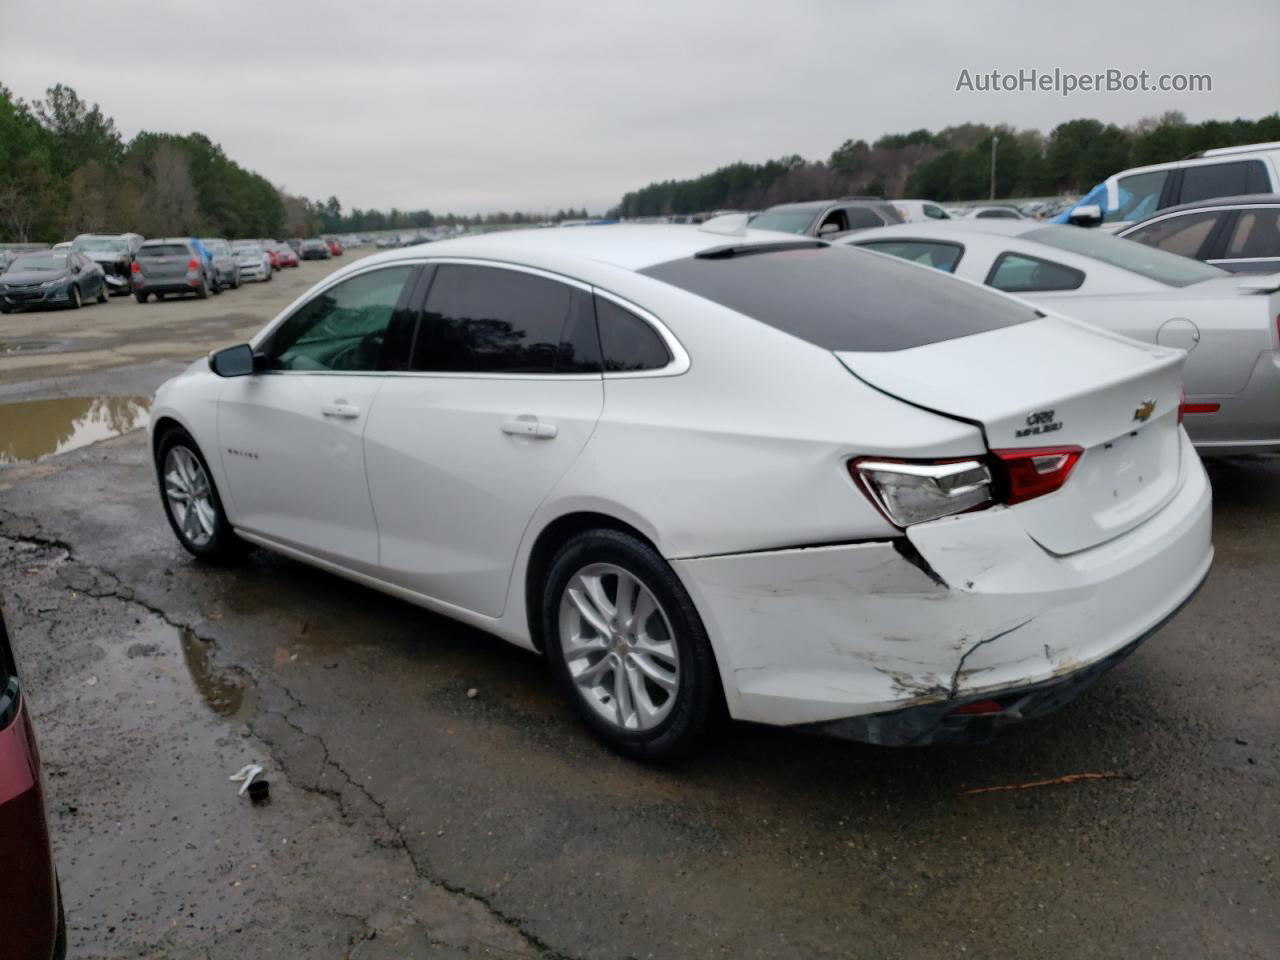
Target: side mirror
x: 828, y: 228
x: 1086, y: 215
x: 75, y: 268
x: 237, y: 361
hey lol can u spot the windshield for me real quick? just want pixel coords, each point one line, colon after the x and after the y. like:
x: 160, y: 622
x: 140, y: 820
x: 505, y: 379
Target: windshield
x: 219, y: 248
x: 38, y: 264
x: 247, y: 248
x: 1149, y: 262
x: 787, y: 221
x: 100, y: 245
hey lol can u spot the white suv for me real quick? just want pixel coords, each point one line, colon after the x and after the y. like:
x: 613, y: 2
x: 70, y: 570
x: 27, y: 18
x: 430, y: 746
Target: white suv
x: 1137, y: 193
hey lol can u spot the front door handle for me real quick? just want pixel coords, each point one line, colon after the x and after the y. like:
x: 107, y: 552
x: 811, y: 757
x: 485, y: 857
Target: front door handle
x: 341, y: 409
x: 530, y: 426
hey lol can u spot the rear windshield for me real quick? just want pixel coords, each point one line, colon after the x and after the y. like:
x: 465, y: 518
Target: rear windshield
x: 100, y: 244
x: 841, y: 298
x: 1150, y: 262
x: 164, y: 250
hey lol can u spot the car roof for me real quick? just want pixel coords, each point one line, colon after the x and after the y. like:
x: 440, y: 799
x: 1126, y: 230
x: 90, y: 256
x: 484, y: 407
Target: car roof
x: 156, y: 241
x: 1007, y: 227
x: 629, y: 247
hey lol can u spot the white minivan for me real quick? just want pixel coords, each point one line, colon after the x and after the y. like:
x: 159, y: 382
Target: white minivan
x: 1137, y: 193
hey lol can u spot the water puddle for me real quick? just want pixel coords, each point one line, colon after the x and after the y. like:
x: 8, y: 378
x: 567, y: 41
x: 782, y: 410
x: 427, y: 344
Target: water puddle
x: 223, y: 693
x: 34, y: 429
x: 29, y: 346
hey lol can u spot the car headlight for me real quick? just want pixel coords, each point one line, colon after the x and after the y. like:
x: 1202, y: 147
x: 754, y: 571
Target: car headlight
x: 56, y: 281
x: 910, y: 493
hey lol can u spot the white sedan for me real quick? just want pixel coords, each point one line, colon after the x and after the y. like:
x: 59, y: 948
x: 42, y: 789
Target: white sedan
x: 1229, y: 325
x: 788, y: 481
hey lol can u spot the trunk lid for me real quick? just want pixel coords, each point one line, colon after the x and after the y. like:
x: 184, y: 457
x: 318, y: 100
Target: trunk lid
x: 1053, y: 382
x: 167, y: 264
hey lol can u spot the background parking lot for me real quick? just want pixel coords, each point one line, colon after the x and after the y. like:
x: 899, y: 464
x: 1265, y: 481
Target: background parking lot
x: 411, y: 818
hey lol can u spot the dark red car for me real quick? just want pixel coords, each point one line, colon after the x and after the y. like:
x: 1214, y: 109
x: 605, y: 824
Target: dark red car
x: 32, y: 926
x: 285, y: 255
x: 335, y: 248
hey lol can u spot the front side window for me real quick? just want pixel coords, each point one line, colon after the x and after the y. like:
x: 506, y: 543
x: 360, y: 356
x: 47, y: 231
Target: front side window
x: 786, y: 221
x: 491, y: 320
x: 861, y: 218
x: 935, y: 213
x: 1182, y: 235
x: 343, y: 328
x: 1212, y: 180
x: 940, y: 256
x: 1256, y: 236
x: 628, y: 344
x: 1016, y: 273
x: 1138, y: 196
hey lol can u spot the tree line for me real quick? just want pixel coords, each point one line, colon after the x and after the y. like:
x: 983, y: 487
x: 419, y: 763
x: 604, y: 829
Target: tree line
x: 952, y: 164
x: 65, y: 169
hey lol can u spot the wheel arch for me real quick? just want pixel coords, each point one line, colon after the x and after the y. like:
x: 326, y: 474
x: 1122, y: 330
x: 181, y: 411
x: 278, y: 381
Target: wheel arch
x: 550, y: 538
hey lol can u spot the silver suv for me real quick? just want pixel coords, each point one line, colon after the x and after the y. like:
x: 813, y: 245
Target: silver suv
x: 828, y: 219
x: 174, y: 265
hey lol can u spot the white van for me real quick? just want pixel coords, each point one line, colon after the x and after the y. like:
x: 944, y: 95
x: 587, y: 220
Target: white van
x: 1135, y: 194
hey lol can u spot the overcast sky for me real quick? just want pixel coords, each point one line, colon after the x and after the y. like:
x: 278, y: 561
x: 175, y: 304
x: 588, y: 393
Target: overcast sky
x: 473, y: 105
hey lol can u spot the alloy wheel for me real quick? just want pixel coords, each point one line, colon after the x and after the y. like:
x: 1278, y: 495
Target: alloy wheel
x: 190, y: 496
x: 622, y: 655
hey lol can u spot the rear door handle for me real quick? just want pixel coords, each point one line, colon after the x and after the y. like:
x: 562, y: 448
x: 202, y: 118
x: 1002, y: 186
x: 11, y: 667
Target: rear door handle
x: 530, y: 426
x: 341, y: 409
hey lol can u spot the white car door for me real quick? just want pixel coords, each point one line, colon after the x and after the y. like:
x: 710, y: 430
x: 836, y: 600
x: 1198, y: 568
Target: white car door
x: 291, y: 437
x: 504, y: 391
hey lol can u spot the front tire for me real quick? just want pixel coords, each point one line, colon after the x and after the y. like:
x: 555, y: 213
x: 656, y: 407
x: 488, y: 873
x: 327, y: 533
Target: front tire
x: 628, y: 648
x: 76, y: 302
x: 191, y: 500
x: 102, y: 292
x: 141, y: 297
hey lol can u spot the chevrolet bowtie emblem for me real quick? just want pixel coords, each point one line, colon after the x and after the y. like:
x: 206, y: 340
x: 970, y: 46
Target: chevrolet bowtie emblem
x: 1144, y: 411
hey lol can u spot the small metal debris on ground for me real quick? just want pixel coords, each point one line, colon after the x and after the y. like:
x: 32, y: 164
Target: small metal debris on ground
x: 472, y: 693
x: 246, y: 773
x: 1069, y: 778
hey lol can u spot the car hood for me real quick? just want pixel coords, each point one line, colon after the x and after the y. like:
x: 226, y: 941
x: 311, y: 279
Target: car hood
x: 28, y: 277
x: 105, y: 256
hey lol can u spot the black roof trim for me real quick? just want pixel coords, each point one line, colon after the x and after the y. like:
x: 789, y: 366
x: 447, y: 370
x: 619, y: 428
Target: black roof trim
x: 747, y: 249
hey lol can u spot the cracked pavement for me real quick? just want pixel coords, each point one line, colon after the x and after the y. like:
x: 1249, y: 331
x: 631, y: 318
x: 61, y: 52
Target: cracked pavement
x: 409, y: 820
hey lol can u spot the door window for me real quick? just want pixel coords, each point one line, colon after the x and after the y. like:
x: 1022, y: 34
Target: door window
x: 1223, y: 180
x: 1257, y: 235
x: 342, y: 328
x: 935, y: 213
x: 860, y: 218
x: 1015, y: 273
x: 833, y: 223
x: 1182, y: 235
x: 1139, y: 196
x: 629, y: 344
x: 491, y: 320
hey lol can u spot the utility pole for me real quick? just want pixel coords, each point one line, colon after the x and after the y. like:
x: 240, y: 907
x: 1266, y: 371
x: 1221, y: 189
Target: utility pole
x: 994, y: 141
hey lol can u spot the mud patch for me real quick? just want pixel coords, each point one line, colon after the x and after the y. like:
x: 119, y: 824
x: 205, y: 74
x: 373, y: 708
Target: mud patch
x: 223, y: 693
x: 35, y: 429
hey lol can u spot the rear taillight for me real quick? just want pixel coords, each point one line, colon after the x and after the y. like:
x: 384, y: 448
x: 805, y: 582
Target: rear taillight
x: 135, y: 268
x: 1033, y: 472
x: 193, y: 264
x: 908, y: 493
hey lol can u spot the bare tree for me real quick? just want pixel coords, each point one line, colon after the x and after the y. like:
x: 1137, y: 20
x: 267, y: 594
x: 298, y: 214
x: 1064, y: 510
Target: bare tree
x: 169, y: 203
x: 18, y: 212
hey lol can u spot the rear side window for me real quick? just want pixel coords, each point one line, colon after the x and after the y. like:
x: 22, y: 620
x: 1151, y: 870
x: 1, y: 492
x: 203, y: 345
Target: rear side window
x: 935, y: 213
x: 1182, y: 235
x: 1256, y: 236
x: 1223, y: 180
x: 995, y: 214
x: 841, y: 298
x: 940, y: 256
x: 490, y: 320
x: 165, y: 250
x: 1016, y: 273
x: 627, y: 343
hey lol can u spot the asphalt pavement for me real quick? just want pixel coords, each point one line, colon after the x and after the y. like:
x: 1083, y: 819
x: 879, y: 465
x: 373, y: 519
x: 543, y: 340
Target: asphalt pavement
x: 409, y: 819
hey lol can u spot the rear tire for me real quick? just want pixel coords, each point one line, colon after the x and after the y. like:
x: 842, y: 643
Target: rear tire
x: 202, y: 291
x: 653, y: 690
x: 191, y: 501
x: 142, y: 297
